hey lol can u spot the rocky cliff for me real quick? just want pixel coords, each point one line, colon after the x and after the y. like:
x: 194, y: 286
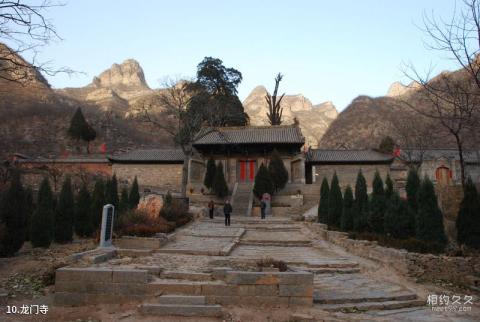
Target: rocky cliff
x: 314, y: 119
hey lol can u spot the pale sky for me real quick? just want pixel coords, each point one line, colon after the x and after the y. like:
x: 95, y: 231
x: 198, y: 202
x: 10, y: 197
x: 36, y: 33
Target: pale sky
x: 327, y: 50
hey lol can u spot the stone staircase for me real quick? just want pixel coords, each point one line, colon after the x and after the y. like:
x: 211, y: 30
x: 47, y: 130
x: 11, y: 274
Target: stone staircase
x: 181, y: 305
x: 352, y: 292
x: 178, y: 295
x: 242, y: 200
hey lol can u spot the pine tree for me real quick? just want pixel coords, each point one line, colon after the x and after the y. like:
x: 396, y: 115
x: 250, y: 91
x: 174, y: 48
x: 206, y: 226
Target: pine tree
x: 29, y: 209
x: 360, y: 205
x: 219, y: 184
x: 468, y: 220
x: 387, y: 145
x: 80, y: 129
x: 412, y: 187
x: 377, y: 205
x: 210, y: 174
x: 346, y: 222
x: 323, y: 204
x: 64, y: 214
x: 41, y: 229
x: 123, y: 204
x: 335, y: 203
x: 83, y: 213
x: 98, y: 201
x: 277, y: 170
x: 399, y: 218
x: 134, y: 195
x: 388, y: 188
x: 263, y: 182
x: 429, y: 218
x: 12, y: 215
x: 111, y: 192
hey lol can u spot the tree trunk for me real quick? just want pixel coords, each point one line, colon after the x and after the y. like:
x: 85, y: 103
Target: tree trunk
x: 186, y: 161
x: 462, y: 163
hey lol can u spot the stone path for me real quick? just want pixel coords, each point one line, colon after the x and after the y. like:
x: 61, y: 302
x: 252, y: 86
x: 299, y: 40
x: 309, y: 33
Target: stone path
x: 343, y: 290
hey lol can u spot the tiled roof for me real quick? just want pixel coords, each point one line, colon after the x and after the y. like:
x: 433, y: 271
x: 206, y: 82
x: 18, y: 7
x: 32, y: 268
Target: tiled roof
x: 250, y: 135
x: 149, y: 155
x: 415, y: 155
x: 347, y: 156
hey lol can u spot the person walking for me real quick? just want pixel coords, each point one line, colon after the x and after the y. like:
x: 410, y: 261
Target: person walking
x: 227, y: 210
x: 263, y: 206
x: 211, y: 208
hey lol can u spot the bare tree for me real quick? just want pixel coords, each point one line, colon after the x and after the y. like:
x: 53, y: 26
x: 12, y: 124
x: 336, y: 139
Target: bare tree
x: 452, y: 98
x: 275, y: 110
x: 414, y: 136
x: 168, y: 111
x: 24, y: 27
x: 453, y: 102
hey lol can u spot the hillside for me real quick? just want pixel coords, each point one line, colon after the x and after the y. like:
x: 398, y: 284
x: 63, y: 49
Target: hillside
x: 314, y: 119
x: 34, y: 118
x: 367, y: 120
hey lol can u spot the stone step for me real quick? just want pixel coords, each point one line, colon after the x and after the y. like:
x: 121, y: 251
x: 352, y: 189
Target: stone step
x: 182, y: 299
x: 368, y: 306
x: 275, y: 243
x: 322, y: 297
x: 181, y: 310
x: 190, y: 276
x: 330, y: 270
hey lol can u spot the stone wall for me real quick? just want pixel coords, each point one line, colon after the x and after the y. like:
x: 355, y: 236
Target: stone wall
x: 347, y: 173
x: 165, y: 177
x: 34, y: 172
x: 262, y: 288
x: 94, y: 285
x: 459, y: 270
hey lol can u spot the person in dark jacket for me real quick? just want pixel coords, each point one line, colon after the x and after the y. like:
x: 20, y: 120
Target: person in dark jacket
x: 263, y: 206
x: 227, y: 210
x: 211, y: 208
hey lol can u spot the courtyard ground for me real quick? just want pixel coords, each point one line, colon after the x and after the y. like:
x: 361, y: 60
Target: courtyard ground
x: 346, y: 287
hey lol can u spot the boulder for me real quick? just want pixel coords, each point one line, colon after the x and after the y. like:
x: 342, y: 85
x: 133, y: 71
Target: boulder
x: 151, y: 205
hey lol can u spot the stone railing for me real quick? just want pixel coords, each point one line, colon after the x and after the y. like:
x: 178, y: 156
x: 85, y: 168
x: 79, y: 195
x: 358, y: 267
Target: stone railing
x: 460, y: 270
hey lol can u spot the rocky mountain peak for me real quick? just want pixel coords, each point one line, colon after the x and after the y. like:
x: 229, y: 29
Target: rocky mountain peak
x: 127, y: 75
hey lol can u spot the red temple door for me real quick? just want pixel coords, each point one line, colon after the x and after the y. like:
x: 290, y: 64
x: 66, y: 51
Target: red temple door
x: 243, y: 170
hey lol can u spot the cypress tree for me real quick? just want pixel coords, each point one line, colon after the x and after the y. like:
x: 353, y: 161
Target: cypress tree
x: 12, y: 215
x: 123, y: 204
x: 386, y: 145
x: 210, y: 174
x: 412, y: 187
x: 111, y: 192
x: 277, y: 170
x: 98, y: 201
x: 346, y: 222
x: 80, y: 129
x: 335, y: 203
x: 263, y: 182
x: 360, y: 206
x: 29, y: 209
x: 429, y: 218
x: 64, y: 214
x: 399, y: 218
x: 468, y: 220
x: 83, y: 213
x: 377, y: 205
x: 134, y: 195
x: 388, y: 187
x: 219, y: 184
x: 41, y: 229
x: 323, y: 204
